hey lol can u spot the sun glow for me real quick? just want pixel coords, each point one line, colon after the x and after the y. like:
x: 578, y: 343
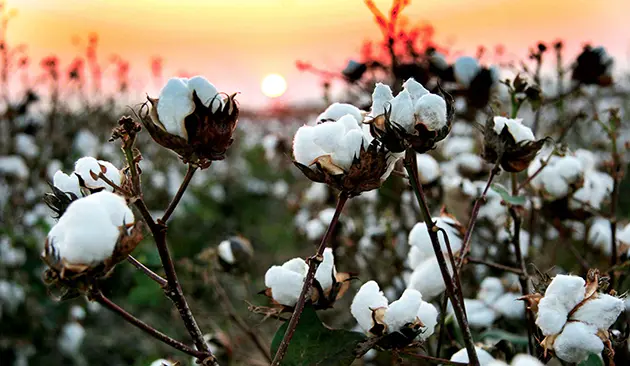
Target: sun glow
x: 273, y: 85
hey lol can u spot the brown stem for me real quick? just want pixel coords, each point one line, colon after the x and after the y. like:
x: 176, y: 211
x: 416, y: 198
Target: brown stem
x: 226, y: 303
x: 617, y: 173
x: 313, y: 263
x: 180, y: 193
x: 473, y: 219
x: 98, y: 296
x: 495, y: 265
x: 458, y: 308
x: 443, y: 305
x: 433, y: 360
x: 152, y: 275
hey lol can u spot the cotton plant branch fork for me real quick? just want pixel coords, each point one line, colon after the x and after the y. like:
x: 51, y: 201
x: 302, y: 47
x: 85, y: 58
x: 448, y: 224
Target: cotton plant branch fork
x: 127, y: 133
x: 313, y: 263
x: 451, y: 287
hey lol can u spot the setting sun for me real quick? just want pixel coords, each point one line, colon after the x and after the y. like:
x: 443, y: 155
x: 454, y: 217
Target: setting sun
x: 273, y: 85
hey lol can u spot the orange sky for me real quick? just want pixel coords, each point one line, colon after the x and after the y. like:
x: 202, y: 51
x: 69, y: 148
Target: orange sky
x: 234, y: 43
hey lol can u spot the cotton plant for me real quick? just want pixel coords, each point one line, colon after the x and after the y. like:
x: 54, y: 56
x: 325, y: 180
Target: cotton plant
x: 426, y: 276
x: 415, y: 118
x: 575, y: 317
x: 403, y: 320
x: 284, y: 283
x: 493, y: 302
x: 94, y: 233
x: 510, y: 144
x: 338, y: 151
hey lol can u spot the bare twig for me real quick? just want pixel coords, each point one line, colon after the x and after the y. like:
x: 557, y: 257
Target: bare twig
x: 494, y: 265
x: 313, y: 263
x: 458, y: 308
x: 152, y: 275
x: 98, y: 296
x: 180, y: 193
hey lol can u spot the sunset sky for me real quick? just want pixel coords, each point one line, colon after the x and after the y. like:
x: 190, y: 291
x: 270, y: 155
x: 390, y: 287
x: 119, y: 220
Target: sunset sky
x: 235, y: 43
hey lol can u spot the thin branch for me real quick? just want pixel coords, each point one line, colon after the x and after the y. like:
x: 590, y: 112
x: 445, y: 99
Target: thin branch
x: 180, y: 193
x: 98, y: 296
x: 152, y: 275
x: 226, y: 303
x: 313, y: 263
x: 443, y: 305
x: 494, y: 265
x: 473, y: 219
x: 411, y: 166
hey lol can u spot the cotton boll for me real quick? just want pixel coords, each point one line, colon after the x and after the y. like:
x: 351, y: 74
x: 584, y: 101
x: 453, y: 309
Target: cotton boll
x: 428, y: 314
x: 84, y: 234
x: 71, y: 339
x: 428, y: 168
x: 562, y: 295
x: 67, y: 183
x: 479, y: 314
x: 348, y: 150
x: 570, y: 289
x: 328, y: 135
x: 285, y: 284
x: 225, y: 252
x: 624, y: 235
x: 415, y: 89
x: 576, y: 342
x: 465, y: 70
x: 485, y: 359
x: 553, y: 184
x: 570, y: 168
x: 85, y: 143
x: 587, y: 158
x: 162, y: 362
x: 13, y: 165
x: 402, y: 111
x: 337, y: 110
x: 326, y: 270
x: 25, y: 145
x: 86, y: 166
x: 368, y: 298
x: 314, y: 229
x: 600, y: 312
x: 174, y: 105
x: 509, y: 306
x: 119, y: 213
x: 402, y: 311
x: 305, y: 151
x: 381, y: 96
x: 431, y: 111
x: 317, y: 193
x: 525, y: 360
x: 415, y: 257
x: 206, y: 92
x: 490, y: 289
x: 419, y: 236
x: 455, y: 145
x: 600, y: 235
x: 427, y: 279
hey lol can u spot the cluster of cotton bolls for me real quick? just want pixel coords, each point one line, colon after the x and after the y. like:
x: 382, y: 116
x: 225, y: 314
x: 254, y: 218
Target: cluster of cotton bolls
x: 493, y: 302
x: 486, y: 359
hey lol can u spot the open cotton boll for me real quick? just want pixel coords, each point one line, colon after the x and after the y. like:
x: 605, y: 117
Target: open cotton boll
x: 562, y: 295
x: 305, y: 151
x: 285, y: 283
x: 577, y: 341
x: 206, y: 92
x: 162, y: 362
x: 509, y: 306
x: 13, y: 165
x: 428, y: 168
x: 71, y: 339
x: 225, y: 252
x: 431, y: 111
x: 515, y: 128
x: 402, y: 111
x: 479, y: 314
x: 427, y: 278
x: 86, y: 165
x: 419, y: 236
x: 381, y: 97
x: 368, y: 298
x: 428, y: 315
x: 600, y: 235
x: 600, y: 312
x: 326, y: 270
x: 570, y: 168
x: 175, y: 104
x: 485, y: 359
x: 314, y: 229
x: 465, y: 69
x: 553, y: 183
x: 119, y: 213
x: 25, y: 145
x: 490, y: 289
x: 349, y: 148
x: 84, y: 234
x: 415, y: 89
x: 587, y: 158
x: 67, y: 183
x: 525, y: 360
x: 415, y: 257
x: 337, y: 110
x: 624, y: 235
x: 403, y: 311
